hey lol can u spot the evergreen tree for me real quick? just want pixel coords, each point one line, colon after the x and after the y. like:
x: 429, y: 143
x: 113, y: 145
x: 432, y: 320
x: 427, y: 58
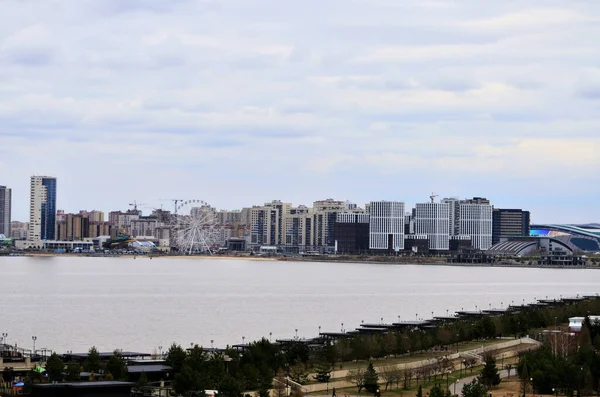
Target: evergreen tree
x: 420, y: 391
x: 436, y: 391
x: 474, y: 389
x: 92, y: 362
x: 322, y: 372
x: 188, y: 380
x: 55, y: 368
x: 143, y: 381
x: 116, y: 366
x: 73, y: 372
x: 230, y: 387
x: 371, y: 379
x: 176, y: 357
x: 489, y: 376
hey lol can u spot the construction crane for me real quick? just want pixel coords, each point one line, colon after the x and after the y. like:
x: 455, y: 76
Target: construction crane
x: 135, y: 205
x: 433, y: 196
x: 175, y: 201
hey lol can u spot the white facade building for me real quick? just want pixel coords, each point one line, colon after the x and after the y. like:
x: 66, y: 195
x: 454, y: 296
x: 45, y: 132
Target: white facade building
x: 386, y: 219
x: 453, y: 215
x: 475, y: 220
x: 433, y: 220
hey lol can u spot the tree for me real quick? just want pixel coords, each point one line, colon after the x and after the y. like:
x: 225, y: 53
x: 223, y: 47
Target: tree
x: 489, y: 376
x: 230, y: 387
x: 116, y: 366
x: 188, y: 380
x: 92, y: 362
x: 474, y: 389
x: 420, y: 391
x: 55, y: 368
x: 388, y: 375
x: 357, y: 378
x: 143, y: 381
x: 470, y: 363
x: 280, y: 384
x: 436, y: 391
x: 322, y: 372
x: 509, y: 368
x: 73, y: 372
x: 299, y: 373
x: 176, y: 357
x: 371, y: 379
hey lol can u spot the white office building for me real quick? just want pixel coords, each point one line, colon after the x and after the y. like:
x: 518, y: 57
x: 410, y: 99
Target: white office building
x: 386, y: 225
x: 432, y: 220
x: 475, y: 220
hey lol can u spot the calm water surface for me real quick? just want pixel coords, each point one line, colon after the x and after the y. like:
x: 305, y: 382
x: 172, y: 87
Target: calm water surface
x: 139, y: 304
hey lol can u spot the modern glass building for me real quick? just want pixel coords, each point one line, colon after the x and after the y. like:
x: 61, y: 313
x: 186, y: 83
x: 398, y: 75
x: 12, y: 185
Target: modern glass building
x: 42, y: 208
x: 5, y: 210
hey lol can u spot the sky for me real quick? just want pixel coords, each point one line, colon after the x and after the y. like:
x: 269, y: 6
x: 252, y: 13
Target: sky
x: 240, y: 102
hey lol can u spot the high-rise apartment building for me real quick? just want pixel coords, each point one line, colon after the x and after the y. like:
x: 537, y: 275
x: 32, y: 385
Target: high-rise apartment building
x: 453, y: 218
x: 264, y: 225
x: 476, y: 221
x: 507, y: 223
x: 298, y: 229
x: 282, y: 210
x: 433, y: 220
x: 42, y: 208
x: 324, y: 221
x: 5, y: 211
x: 352, y: 232
x: 471, y: 218
x: 386, y: 225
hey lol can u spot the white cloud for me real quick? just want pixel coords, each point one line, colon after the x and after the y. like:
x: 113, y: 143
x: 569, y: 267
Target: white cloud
x: 274, y: 99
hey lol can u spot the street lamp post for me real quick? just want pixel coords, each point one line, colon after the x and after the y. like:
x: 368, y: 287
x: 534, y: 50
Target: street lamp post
x: 160, y: 351
x: 33, y: 338
x: 296, y: 333
x: 531, y: 380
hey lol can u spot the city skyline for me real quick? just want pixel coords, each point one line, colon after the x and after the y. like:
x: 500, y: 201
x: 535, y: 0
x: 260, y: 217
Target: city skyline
x: 147, y: 205
x: 236, y: 102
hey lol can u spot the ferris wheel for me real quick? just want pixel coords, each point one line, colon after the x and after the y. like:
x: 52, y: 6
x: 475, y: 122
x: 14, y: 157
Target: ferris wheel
x: 194, y: 227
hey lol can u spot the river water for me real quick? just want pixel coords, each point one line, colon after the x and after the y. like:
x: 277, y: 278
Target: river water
x: 139, y: 304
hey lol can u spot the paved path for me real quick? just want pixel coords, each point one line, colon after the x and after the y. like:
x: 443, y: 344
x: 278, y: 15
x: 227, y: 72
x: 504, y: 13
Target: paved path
x: 461, y: 382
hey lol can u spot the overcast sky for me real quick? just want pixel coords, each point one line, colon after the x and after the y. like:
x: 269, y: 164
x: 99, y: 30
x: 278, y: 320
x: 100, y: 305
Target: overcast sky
x: 238, y: 102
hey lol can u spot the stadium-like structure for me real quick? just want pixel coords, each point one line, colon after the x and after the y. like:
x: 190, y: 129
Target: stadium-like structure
x: 584, y: 237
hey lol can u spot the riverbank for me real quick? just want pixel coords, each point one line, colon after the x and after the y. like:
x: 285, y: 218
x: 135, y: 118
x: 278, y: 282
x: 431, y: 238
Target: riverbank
x: 366, y: 259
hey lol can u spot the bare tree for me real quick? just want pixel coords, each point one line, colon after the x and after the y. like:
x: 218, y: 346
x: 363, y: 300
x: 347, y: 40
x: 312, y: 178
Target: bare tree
x: 408, y: 375
x: 388, y: 375
x: 280, y: 384
x: 470, y: 363
x: 357, y: 378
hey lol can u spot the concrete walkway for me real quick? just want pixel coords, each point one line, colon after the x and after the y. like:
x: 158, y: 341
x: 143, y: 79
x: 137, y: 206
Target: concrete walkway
x: 456, y: 387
